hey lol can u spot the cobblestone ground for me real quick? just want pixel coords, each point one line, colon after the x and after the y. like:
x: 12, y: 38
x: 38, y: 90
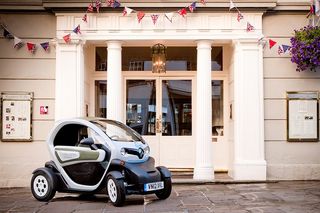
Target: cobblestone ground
x: 293, y: 196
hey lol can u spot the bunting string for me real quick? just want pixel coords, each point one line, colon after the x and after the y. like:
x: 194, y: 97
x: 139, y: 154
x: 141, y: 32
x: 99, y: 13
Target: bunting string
x: 140, y: 15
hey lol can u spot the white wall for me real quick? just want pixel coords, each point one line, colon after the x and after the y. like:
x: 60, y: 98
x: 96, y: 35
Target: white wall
x: 22, y: 71
x: 286, y: 160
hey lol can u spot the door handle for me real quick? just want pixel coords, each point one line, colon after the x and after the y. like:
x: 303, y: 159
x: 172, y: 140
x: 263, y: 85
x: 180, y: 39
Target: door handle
x: 158, y: 125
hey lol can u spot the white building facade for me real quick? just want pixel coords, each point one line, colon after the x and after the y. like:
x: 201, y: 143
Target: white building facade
x: 219, y: 107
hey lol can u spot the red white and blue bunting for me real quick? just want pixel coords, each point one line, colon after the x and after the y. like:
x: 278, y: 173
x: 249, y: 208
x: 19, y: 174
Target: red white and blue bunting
x: 140, y: 15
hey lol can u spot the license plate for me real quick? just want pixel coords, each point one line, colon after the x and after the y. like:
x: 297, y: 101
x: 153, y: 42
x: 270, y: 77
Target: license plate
x: 153, y: 186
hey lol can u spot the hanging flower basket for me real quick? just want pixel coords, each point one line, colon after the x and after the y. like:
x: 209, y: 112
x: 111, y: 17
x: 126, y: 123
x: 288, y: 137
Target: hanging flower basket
x: 305, y: 50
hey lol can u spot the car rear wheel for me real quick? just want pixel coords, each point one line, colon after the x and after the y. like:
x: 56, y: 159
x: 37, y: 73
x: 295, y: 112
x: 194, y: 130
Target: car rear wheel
x: 166, y: 191
x: 116, y: 191
x: 43, y: 186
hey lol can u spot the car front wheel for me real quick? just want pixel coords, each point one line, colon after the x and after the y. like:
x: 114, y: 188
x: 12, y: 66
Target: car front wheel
x: 43, y: 186
x: 166, y: 191
x: 116, y: 191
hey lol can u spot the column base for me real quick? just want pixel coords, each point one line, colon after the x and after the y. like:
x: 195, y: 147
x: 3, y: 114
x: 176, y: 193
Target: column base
x: 203, y: 173
x: 256, y: 170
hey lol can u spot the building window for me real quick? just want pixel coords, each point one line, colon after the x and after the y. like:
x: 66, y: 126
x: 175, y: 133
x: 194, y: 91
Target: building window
x: 217, y: 107
x: 177, y: 59
x: 216, y: 58
x: 101, y: 58
x: 101, y: 98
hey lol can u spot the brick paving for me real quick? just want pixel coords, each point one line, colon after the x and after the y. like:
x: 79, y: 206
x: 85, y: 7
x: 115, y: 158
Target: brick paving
x: 280, y: 197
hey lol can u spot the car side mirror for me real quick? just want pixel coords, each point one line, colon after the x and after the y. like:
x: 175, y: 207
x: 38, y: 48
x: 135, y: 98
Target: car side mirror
x: 88, y: 142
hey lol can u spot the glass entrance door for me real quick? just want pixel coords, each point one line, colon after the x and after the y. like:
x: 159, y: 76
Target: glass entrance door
x: 160, y: 109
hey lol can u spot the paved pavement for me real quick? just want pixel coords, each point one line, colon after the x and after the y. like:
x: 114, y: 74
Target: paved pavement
x: 280, y: 197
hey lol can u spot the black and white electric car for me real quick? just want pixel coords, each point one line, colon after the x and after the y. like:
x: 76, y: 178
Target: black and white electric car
x: 90, y: 155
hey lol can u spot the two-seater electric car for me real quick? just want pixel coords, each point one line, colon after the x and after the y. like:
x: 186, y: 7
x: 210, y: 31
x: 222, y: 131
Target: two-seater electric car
x: 91, y: 155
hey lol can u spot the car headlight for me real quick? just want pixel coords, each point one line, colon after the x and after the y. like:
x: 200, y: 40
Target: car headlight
x: 147, y: 150
x: 123, y: 151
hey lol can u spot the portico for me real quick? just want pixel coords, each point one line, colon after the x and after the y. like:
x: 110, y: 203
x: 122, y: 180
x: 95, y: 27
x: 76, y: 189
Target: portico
x: 243, y: 150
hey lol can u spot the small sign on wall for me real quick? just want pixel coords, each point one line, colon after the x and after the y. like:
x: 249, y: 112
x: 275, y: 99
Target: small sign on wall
x: 302, y: 116
x: 16, y: 116
x: 44, y: 110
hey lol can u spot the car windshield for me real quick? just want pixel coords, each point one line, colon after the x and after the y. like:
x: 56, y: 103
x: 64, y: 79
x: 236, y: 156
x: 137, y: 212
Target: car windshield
x: 117, y: 131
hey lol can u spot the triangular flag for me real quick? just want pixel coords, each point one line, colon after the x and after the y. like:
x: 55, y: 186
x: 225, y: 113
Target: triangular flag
x: 45, y: 46
x: 239, y: 16
x: 280, y: 51
x: 249, y: 27
x: 271, y: 43
x: 17, y: 42
x: 285, y: 48
x: 231, y: 5
x: 31, y: 47
x: 263, y: 42
x: 183, y: 12
x: 67, y: 38
x: 77, y: 29
x: 98, y: 5
x: 110, y: 3
x: 311, y: 11
x: 85, y: 18
x: 140, y: 16
x: 7, y: 34
x: 127, y: 11
x: 90, y: 8
x: 192, y: 6
x: 116, y: 4
x: 154, y: 18
x: 203, y: 2
x: 169, y: 16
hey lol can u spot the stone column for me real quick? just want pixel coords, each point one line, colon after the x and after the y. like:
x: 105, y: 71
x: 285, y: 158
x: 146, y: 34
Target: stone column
x: 115, y: 104
x: 249, y: 160
x: 69, y: 80
x: 204, y: 166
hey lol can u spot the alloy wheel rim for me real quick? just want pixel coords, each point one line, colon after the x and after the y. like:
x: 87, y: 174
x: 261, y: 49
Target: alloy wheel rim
x: 112, y: 190
x: 40, y: 185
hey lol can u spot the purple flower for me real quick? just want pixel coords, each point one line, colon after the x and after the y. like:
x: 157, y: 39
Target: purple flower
x: 305, y: 50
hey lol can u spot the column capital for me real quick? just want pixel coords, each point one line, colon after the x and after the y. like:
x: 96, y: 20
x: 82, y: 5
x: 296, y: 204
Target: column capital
x: 204, y: 43
x: 114, y: 43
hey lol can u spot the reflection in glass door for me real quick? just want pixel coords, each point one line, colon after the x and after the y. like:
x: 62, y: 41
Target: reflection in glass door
x: 141, y: 106
x: 176, y: 107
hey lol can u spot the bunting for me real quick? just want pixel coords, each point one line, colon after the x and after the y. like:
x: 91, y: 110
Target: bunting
x: 286, y: 48
x: 231, y: 5
x: 140, y: 16
x: 203, y: 2
x: 45, y: 46
x: 183, y: 12
x: 280, y: 51
x: 17, y: 43
x: 77, y: 29
x: 239, y: 16
x: 192, y: 6
x: 154, y: 18
x: 169, y: 16
x: 90, y: 8
x: 249, y: 27
x: 271, y: 43
x: 127, y: 11
x: 85, y: 18
x: 7, y: 34
x: 67, y: 38
x: 98, y: 5
x: 31, y: 47
x: 116, y: 4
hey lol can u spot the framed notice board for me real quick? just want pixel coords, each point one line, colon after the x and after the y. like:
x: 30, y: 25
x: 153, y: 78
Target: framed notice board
x: 303, y: 116
x: 16, y: 116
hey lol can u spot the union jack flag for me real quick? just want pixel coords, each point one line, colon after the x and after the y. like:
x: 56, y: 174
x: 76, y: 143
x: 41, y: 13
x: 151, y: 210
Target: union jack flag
x: 77, y: 29
x: 239, y: 16
x: 192, y: 6
x: 154, y: 18
x: 249, y: 27
x: 183, y: 12
x: 85, y: 18
x: 98, y: 5
x: 45, y: 46
x: 90, y: 8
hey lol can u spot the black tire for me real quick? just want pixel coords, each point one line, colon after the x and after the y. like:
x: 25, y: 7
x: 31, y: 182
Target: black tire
x: 166, y: 191
x: 43, y: 185
x: 116, y: 191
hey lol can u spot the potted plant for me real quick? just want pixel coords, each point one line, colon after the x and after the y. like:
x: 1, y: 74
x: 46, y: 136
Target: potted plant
x: 305, y: 50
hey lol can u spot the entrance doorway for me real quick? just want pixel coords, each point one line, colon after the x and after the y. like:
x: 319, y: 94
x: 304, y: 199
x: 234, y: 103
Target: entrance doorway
x: 161, y: 110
